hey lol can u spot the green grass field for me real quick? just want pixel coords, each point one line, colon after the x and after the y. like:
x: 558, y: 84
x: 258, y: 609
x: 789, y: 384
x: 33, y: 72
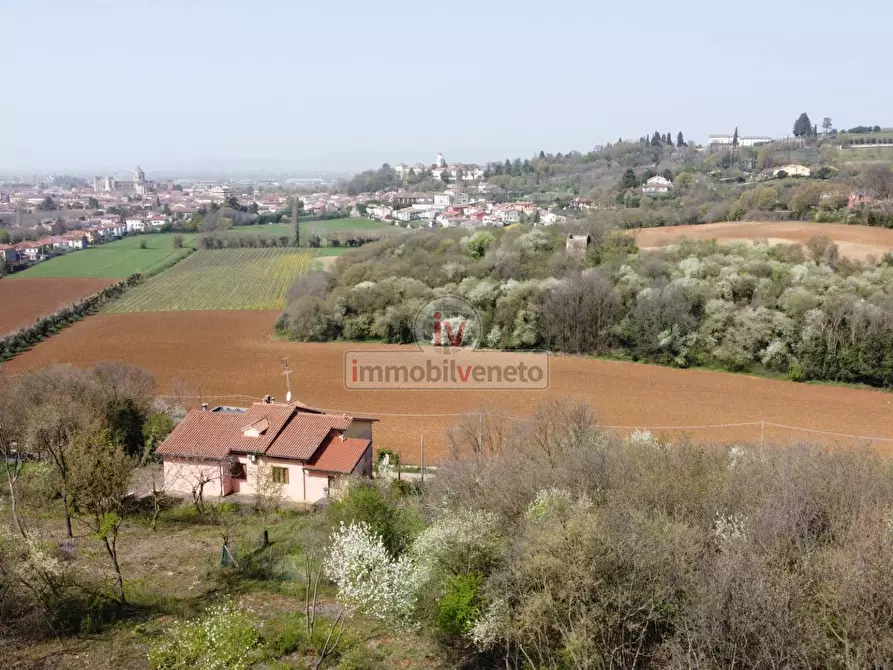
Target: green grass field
x: 227, y: 279
x: 114, y: 259
x: 341, y: 226
x: 119, y: 259
x: 309, y: 227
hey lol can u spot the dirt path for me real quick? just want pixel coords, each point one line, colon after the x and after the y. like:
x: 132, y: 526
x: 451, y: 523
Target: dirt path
x: 856, y: 242
x: 221, y: 353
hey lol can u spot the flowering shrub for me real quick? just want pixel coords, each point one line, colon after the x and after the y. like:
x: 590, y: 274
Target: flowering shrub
x: 728, y: 529
x: 550, y: 501
x: 221, y: 639
x: 29, y: 561
x: 643, y: 438
x: 456, y: 541
x: 368, y: 579
x: 488, y: 629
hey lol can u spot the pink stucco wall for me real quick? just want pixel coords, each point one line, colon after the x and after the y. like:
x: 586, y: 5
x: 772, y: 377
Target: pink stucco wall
x: 182, y: 476
x: 303, y: 485
x: 298, y: 488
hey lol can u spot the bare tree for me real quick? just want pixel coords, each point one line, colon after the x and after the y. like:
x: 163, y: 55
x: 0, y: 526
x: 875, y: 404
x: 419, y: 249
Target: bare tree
x: 485, y: 432
x: 50, y: 431
x: 578, y: 315
x: 12, y: 463
x: 313, y: 570
x: 268, y: 493
x: 192, y: 478
x: 822, y: 250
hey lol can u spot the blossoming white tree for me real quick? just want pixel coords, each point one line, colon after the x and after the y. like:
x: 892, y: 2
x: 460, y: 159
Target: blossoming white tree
x: 368, y: 578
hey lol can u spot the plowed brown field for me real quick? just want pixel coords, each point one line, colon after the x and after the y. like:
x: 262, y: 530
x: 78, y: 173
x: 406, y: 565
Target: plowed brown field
x: 856, y: 242
x: 221, y: 353
x: 24, y: 300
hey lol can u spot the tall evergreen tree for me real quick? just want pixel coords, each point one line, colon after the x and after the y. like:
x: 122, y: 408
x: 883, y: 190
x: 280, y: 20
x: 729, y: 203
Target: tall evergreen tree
x: 680, y: 141
x: 656, y: 139
x: 628, y: 180
x: 669, y: 139
x: 735, y: 137
x: 803, y: 126
x: 294, y: 219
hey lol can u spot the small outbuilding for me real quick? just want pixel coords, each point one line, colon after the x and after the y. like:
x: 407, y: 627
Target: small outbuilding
x: 578, y: 245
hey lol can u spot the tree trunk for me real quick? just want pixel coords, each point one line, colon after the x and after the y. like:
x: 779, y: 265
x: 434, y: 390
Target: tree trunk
x: 67, y: 515
x: 12, y: 476
x: 156, y: 511
x: 112, y: 549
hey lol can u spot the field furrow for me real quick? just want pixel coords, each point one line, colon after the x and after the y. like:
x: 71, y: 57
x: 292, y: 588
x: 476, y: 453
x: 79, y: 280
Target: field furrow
x: 226, y: 279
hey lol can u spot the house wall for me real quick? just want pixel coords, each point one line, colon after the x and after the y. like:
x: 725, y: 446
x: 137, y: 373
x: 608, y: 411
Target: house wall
x: 182, y: 476
x: 317, y: 483
x: 359, y: 428
x: 364, y: 467
x: 293, y: 491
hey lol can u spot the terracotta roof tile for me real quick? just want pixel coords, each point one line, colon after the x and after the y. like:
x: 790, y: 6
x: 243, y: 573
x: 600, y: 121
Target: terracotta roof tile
x: 305, y: 433
x: 285, y: 432
x: 339, y: 455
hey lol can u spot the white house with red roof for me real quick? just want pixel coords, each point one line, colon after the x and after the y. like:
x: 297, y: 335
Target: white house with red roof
x: 9, y: 253
x: 229, y: 450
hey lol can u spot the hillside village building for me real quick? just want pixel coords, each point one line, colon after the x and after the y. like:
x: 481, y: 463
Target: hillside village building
x: 743, y: 140
x: 657, y: 185
x: 793, y: 170
x: 578, y: 245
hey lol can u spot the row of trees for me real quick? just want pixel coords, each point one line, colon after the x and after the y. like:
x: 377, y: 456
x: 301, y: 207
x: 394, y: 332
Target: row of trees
x: 801, y: 312
x: 224, y: 241
x: 22, y: 339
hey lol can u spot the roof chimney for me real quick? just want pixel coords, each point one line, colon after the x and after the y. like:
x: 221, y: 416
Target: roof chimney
x: 204, y: 407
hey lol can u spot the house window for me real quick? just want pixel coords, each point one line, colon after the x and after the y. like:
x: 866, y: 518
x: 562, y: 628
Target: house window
x: 280, y: 475
x: 237, y: 471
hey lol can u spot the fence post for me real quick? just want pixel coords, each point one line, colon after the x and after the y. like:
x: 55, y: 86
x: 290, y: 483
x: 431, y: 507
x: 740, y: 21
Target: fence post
x: 422, y: 456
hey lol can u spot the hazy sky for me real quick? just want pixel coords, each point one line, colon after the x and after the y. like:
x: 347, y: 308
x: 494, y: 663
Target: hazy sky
x: 349, y: 84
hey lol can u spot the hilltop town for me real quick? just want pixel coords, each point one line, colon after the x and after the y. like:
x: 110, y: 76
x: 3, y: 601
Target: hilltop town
x: 659, y: 180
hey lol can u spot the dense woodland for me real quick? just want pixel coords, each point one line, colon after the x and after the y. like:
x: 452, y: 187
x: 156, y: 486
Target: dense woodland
x: 798, y: 311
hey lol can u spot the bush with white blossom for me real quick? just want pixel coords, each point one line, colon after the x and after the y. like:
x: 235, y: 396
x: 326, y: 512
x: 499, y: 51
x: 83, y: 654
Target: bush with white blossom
x: 457, y: 541
x: 368, y: 578
x: 729, y: 529
x: 487, y: 631
x: 222, y: 639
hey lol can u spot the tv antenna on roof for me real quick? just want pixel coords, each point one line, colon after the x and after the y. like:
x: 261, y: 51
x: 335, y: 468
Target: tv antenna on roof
x: 287, y: 374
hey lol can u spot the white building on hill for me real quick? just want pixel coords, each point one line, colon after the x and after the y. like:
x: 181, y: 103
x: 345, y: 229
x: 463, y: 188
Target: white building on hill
x: 743, y: 140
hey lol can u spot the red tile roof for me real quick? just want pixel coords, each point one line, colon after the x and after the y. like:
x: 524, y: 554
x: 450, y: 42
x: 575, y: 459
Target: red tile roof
x: 339, y: 455
x: 286, y: 432
x: 302, y: 436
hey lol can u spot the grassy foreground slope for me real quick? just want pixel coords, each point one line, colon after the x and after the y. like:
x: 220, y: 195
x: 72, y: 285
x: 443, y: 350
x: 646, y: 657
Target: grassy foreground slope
x: 228, y: 279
